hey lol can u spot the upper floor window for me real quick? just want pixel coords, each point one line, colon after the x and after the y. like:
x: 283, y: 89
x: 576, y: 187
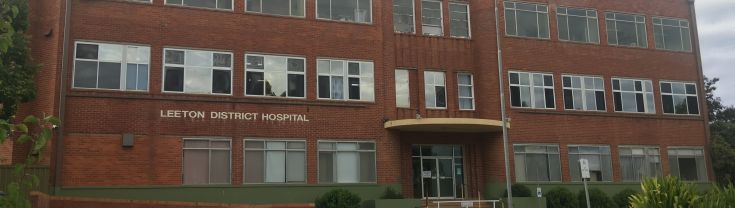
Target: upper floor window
x: 197, y: 71
x: 632, y: 95
x: 346, y: 162
x: 526, y: 20
x: 403, y: 16
x: 206, y: 161
x: 626, y: 29
x: 435, y: 90
x: 275, y: 76
x: 348, y: 11
x: 671, y: 34
x: 431, y: 17
x: 277, y: 7
x: 345, y: 80
x: 274, y: 161
x: 638, y: 163
x: 598, y: 158
x: 532, y: 90
x: 212, y: 4
x: 402, y: 89
x: 584, y: 93
x: 578, y: 25
x: 111, y: 66
x: 537, y: 162
x: 465, y: 85
x: 459, y: 16
x: 688, y: 163
x: 679, y: 98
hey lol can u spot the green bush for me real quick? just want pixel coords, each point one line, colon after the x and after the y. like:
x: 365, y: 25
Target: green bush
x: 338, y: 198
x: 519, y: 190
x: 598, y: 199
x: 718, y: 197
x: 560, y: 197
x: 622, y: 198
x: 391, y: 193
x: 664, y: 192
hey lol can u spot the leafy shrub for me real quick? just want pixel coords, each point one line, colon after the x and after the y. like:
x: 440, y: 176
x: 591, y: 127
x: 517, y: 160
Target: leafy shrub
x: 338, y: 198
x: 622, y: 198
x: 598, y: 199
x: 391, y: 193
x: 560, y: 197
x: 718, y: 197
x: 664, y: 192
x: 519, y: 191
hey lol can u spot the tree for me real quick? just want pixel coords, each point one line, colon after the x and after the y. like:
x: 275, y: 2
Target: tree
x: 722, y: 134
x: 714, y: 103
x: 16, y: 67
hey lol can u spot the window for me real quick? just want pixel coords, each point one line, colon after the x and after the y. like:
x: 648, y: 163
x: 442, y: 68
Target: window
x: 435, y: 91
x: 293, y: 8
x: 526, y: 20
x: 577, y: 24
x: 465, y: 85
x: 679, y: 98
x: 638, y: 163
x: 348, y: 11
x: 275, y: 76
x: 403, y: 20
x: 197, y: 72
x: 274, y: 161
x: 626, y: 29
x: 346, y: 162
x: 687, y: 163
x: 537, y: 162
x: 431, y: 17
x: 532, y: 90
x: 206, y: 161
x: 111, y: 66
x: 598, y: 158
x: 584, y: 93
x: 459, y: 16
x: 334, y: 73
x: 403, y: 98
x: 672, y: 34
x: 211, y: 4
x: 633, y: 96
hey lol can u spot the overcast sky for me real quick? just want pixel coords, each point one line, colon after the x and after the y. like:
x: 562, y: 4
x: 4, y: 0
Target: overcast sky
x: 716, y: 19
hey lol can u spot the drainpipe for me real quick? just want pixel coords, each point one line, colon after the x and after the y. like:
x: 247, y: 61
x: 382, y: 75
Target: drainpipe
x: 503, y: 112
x: 705, y: 108
x: 59, y: 144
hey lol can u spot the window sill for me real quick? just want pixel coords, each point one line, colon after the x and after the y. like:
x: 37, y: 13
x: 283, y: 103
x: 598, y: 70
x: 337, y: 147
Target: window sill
x: 199, y: 8
x: 433, y: 36
x: 133, y: 2
x: 345, y: 22
x: 580, y: 43
x: 528, y: 38
x: 275, y: 15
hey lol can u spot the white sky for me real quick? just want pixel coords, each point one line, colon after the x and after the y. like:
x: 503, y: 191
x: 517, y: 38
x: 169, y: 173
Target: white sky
x: 716, y: 19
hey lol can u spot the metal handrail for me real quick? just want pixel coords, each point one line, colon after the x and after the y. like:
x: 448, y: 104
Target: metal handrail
x: 439, y: 203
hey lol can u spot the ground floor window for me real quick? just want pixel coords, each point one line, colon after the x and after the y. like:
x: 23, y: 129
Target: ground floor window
x: 537, y: 162
x: 346, y: 162
x: 274, y: 161
x: 206, y: 161
x: 638, y: 163
x: 438, y: 171
x: 687, y: 163
x: 598, y: 157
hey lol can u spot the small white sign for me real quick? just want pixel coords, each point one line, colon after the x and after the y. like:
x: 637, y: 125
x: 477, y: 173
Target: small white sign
x: 585, y: 167
x: 539, y: 194
x: 467, y: 204
x: 426, y: 174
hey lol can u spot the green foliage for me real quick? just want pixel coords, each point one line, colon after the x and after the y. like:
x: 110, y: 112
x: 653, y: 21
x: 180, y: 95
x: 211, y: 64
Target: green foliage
x: 16, y: 80
x: 391, y: 193
x: 666, y: 192
x: 718, y: 197
x: 560, y: 197
x: 622, y: 198
x: 598, y: 199
x: 338, y: 198
x: 519, y: 190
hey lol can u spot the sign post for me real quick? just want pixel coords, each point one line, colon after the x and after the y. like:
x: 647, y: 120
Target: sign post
x: 539, y: 194
x: 585, y: 168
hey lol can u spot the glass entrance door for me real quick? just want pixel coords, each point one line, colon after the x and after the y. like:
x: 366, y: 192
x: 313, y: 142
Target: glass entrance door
x: 440, y: 175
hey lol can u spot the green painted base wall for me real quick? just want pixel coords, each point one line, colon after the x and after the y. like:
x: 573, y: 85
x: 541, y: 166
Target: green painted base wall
x: 255, y: 194
x: 495, y: 190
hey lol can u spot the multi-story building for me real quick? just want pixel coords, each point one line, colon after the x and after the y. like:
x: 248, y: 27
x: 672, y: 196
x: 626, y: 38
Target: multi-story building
x: 245, y: 100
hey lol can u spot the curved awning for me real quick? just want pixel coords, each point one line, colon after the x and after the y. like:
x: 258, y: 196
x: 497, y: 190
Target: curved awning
x: 469, y: 125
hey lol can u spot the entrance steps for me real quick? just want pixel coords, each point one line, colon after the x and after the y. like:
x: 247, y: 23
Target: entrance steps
x: 458, y: 204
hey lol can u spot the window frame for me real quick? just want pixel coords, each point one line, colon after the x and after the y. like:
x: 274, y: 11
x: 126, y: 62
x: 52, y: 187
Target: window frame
x: 601, y: 155
x: 209, y: 158
x: 547, y: 145
x: 685, y: 83
x: 232, y: 5
x: 286, y: 150
x: 413, y: 18
x: 264, y: 55
x: 441, y: 18
x: 408, y: 90
x: 290, y: 9
x: 211, y: 68
x: 531, y: 86
x: 316, y: 13
x: 635, y: 22
x: 515, y: 17
x: 584, y: 89
x: 346, y: 76
x: 645, y: 155
x: 123, y: 66
x: 446, y: 99
x: 469, y: 21
x: 704, y: 178
x: 596, y: 18
x: 643, y: 90
x: 472, y: 88
x: 318, y: 164
x: 680, y: 28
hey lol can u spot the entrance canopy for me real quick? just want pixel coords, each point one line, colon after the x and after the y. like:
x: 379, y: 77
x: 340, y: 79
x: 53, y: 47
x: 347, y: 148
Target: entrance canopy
x: 471, y: 125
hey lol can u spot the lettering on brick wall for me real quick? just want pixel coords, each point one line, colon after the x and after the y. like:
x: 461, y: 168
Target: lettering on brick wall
x: 226, y: 115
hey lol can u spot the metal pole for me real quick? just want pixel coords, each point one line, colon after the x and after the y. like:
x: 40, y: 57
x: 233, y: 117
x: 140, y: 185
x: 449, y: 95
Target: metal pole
x: 502, y: 106
x: 586, y: 192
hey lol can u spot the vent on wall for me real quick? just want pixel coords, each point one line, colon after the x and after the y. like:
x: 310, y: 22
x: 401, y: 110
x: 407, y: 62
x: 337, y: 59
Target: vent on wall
x: 128, y: 140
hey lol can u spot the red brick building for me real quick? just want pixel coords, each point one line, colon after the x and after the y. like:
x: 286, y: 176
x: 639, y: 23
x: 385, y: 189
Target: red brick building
x: 242, y: 100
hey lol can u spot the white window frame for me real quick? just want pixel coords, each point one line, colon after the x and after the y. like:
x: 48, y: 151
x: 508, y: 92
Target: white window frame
x: 290, y: 9
x: 123, y: 66
x: 413, y: 17
x: 588, y: 17
x: 441, y: 18
x: 211, y: 68
x: 316, y: 14
x: 695, y: 156
x: 531, y: 86
x: 601, y: 155
x: 538, y: 23
x: 232, y: 5
x: 547, y: 153
x: 646, y: 104
x: 345, y: 74
x: 658, y: 22
x: 433, y: 85
x: 264, y: 71
x: 645, y: 155
x: 209, y: 157
x: 335, y: 151
x: 469, y: 21
x: 285, y: 150
x: 584, y: 88
x: 636, y: 22
x: 408, y: 90
x: 472, y: 88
